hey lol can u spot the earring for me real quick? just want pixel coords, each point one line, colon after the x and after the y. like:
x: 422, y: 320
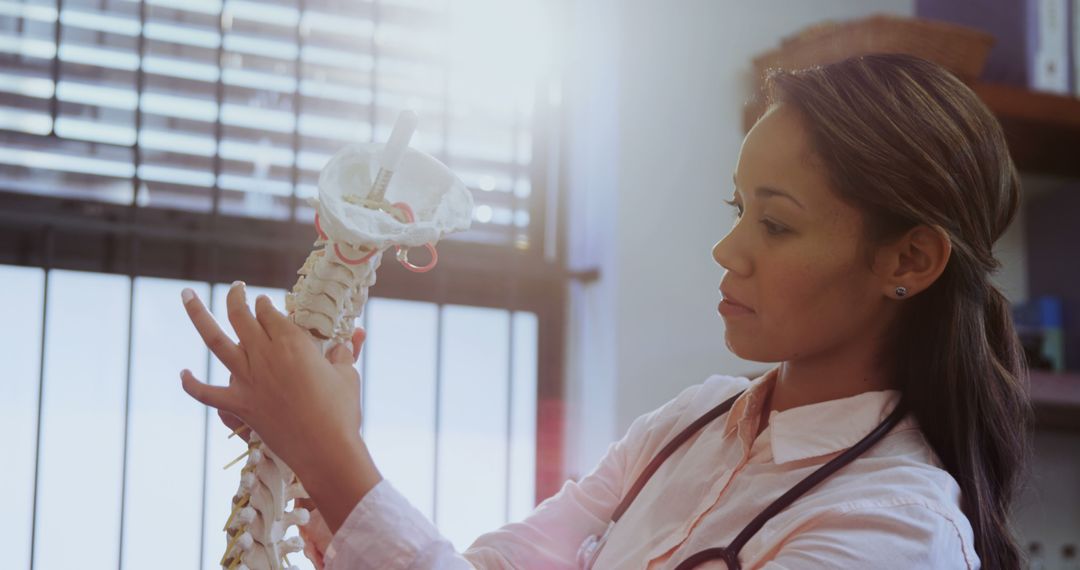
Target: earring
x: 901, y: 291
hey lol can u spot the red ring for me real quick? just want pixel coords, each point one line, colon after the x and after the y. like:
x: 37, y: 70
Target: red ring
x: 318, y: 228
x: 410, y: 218
x: 431, y: 264
x: 348, y: 261
x: 337, y: 250
x: 407, y: 210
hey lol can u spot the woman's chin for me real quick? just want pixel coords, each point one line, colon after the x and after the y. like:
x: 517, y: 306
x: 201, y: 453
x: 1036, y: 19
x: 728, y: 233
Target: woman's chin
x: 745, y: 348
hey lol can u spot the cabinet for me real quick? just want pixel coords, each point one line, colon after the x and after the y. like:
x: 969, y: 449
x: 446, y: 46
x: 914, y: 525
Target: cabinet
x: 1043, y: 131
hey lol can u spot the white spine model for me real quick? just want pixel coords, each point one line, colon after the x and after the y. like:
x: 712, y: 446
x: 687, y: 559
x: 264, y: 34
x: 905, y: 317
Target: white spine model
x: 356, y: 222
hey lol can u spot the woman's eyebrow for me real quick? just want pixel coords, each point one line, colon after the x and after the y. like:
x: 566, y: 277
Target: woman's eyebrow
x: 769, y: 192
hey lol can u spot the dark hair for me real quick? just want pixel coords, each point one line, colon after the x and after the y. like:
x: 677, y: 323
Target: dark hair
x: 907, y: 144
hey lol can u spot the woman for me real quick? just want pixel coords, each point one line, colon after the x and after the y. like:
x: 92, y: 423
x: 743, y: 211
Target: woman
x: 868, y: 197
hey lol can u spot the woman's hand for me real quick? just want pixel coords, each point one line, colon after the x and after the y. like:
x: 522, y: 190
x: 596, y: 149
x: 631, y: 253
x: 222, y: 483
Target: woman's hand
x: 304, y: 406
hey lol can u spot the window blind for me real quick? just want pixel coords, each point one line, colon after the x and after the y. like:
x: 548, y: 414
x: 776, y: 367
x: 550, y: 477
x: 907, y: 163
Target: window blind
x: 233, y: 106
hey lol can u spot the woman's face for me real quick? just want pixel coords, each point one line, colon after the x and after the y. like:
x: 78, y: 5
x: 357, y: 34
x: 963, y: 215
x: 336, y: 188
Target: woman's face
x: 793, y: 256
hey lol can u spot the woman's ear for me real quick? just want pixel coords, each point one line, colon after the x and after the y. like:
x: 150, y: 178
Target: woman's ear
x: 914, y: 261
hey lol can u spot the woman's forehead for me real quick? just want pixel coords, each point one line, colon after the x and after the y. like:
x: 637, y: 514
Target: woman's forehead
x: 776, y: 152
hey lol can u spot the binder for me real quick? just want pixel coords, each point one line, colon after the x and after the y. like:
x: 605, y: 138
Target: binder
x: 1035, y: 45
x: 1053, y: 62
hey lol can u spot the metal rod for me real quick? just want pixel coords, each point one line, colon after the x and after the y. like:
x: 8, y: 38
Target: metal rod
x: 205, y: 450
x: 439, y: 325
x: 127, y: 424
x: 378, y: 188
x: 509, y: 416
x: 41, y: 392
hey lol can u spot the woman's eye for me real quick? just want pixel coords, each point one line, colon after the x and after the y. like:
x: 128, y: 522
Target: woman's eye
x: 773, y: 228
x: 736, y: 205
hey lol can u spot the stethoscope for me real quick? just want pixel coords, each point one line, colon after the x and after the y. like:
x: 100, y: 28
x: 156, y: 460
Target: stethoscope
x: 730, y: 553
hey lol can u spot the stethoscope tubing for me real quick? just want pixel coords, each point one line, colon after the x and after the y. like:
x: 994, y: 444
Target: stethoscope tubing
x: 730, y: 553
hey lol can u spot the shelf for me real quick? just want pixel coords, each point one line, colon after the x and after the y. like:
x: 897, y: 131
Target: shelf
x: 1056, y: 398
x: 1043, y: 129
x: 1053, y: 112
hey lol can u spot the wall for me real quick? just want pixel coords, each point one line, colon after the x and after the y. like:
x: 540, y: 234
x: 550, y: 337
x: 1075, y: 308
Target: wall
x: 655, y: 92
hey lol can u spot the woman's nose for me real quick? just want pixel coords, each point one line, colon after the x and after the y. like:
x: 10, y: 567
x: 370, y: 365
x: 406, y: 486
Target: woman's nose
x: 728, y: 255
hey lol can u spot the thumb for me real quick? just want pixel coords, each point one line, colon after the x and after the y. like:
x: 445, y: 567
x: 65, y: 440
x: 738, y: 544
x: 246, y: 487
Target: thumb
x: 340, y: 354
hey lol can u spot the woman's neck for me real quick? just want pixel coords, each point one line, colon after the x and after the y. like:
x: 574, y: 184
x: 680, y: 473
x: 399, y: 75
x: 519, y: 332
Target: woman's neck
x: 825, y: 377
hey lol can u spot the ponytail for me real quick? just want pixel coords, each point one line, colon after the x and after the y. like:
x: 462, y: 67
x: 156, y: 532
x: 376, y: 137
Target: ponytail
x: 962, y: 374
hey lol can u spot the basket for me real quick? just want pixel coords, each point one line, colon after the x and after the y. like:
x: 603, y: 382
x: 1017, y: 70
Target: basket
x: 961, y: 50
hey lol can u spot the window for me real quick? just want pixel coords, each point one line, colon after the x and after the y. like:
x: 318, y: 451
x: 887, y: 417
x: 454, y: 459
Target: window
x: 122, y: 444
x: 150, y: 145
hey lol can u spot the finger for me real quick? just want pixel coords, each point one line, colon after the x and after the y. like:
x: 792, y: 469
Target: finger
x: 312, y: 553
x: 214, y: 396
x: 272, y: 320
x: 247, y: 328
x: 216, y: 340
x: 340, y: 355
x: 358, y: 342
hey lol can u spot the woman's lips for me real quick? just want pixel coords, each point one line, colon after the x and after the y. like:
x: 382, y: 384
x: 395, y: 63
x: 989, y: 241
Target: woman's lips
x: 730, y: 307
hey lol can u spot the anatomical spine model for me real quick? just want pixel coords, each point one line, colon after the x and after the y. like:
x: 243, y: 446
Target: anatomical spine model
x: 356, y: 222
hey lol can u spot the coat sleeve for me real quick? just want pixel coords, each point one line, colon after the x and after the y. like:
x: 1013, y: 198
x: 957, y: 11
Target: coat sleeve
x: 384, y: 531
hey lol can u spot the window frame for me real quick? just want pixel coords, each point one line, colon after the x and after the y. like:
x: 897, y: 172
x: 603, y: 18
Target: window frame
x: 50, y: 232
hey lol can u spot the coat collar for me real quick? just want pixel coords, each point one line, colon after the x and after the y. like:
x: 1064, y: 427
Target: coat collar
x: 813, y: 430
